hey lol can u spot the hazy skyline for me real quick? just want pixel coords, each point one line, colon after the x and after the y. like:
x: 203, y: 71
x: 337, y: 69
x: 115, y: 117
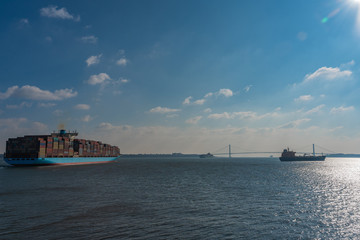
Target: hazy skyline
x: 183, y: 76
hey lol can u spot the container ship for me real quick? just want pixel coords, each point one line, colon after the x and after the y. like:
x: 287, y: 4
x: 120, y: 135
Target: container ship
x: 61, y: 148
x: 288, y: 155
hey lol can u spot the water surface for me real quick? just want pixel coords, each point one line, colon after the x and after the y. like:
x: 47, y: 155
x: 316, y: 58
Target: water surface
x: 183, y: 198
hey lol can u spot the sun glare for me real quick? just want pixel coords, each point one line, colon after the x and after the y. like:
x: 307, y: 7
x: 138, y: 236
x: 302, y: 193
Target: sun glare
x: 356, y: 5
x: 355, y: 2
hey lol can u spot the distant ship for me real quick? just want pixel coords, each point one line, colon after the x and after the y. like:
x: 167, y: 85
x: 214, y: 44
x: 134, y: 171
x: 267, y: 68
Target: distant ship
x: 60, y: 148
x: 208, y: 155
x: 288, y: 155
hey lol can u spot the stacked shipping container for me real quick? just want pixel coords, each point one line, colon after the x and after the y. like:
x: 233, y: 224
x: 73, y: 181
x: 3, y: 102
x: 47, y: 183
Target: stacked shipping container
x: 57, y: 145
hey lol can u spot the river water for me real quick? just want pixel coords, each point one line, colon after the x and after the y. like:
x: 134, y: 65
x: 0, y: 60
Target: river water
x: 183, y: 198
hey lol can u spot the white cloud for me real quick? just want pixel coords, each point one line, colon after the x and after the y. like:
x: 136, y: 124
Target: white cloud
x: 46, y: 105
x: 222, y: 92
x: 249, y: 115
x: 61, y: 13
x: 225, y: 92
x: 199, y: 102
x: 24, y: 22
x: 246, y: 115
x: 194, y: 120
x: 347, y: 65
x: 35, y: 93
x: 336, y: 129
x: 296, y: 123
x: 98, y: 79
x: 210, y: 94
x: 111, y: 127
x: 89, y: 39
x: 163, y: 110
x: 224, y: 115
x: 64, y: 93
x: 86, y: 118
x: 93, y: 60
x: 187, y: 100
x: 21, y: 105
x: 120, y: 81
x: 336, y: 110
x: 207, y: 110
x: 82, y: 106
x: 304, y: 98
x: 122, y: 61
x: 12, y: 122
x: 9, y: 92
x: 315, y: 109
x: 105, y: 125
x: 327, y: 73
x: 40, y: 126
x: 247, y: 88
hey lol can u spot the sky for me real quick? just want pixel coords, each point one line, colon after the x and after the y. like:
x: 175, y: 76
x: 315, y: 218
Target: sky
x: 153, y: 76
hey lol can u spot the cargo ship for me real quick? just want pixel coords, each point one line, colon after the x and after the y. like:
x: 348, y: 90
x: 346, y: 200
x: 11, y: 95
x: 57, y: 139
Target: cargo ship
x: 288, y: 155
x: 58, y: 148
x: 208, y: 155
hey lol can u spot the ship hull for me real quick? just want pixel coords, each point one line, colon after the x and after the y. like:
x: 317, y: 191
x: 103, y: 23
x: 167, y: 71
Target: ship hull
x: 302, y: 158
x: 57, y: 161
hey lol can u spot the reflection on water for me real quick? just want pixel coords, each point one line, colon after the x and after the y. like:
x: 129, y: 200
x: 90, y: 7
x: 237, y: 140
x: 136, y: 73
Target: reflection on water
x: 183, y: 198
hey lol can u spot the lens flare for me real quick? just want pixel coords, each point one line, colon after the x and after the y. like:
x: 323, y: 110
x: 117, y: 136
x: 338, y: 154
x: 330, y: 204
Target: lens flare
x: 331, y: 15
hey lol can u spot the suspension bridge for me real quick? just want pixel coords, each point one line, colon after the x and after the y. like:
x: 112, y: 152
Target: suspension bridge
x: 228, y: 151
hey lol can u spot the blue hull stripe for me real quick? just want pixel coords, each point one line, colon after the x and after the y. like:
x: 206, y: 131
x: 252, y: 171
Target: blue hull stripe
x: 58, y: 161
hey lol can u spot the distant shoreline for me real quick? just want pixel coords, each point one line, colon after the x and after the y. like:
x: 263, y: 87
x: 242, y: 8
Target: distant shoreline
x: 174, y: 155
x: 343, y: 155
x: 160, y: 155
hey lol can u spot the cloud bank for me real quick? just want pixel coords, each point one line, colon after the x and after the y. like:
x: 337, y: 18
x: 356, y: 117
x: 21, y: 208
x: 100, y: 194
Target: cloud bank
x: 163, y: 110
x: 35, y: 93
x: 222, y: 92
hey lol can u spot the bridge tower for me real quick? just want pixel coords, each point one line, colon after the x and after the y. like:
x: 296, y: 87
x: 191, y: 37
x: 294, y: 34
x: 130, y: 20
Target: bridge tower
x: 229, y: 151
